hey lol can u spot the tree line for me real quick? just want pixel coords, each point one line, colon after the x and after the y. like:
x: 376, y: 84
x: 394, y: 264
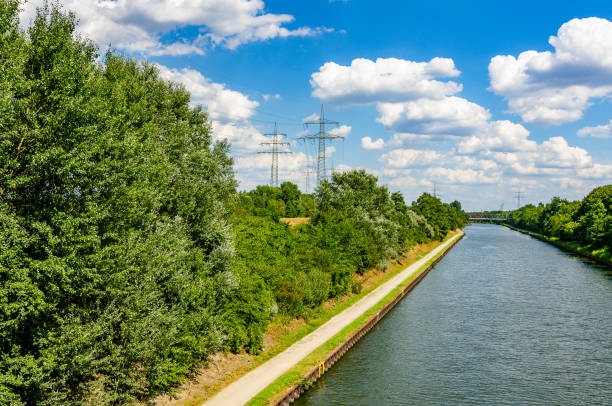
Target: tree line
x: 587, y: 221
x: 355, y: 225
x: 127, y: 256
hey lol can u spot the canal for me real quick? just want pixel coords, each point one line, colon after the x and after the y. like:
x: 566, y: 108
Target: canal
x: 503, y: 319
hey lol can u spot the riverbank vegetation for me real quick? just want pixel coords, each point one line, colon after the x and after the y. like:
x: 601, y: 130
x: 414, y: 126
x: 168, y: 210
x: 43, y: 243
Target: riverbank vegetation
x: 584, y: 226
x: 127, y: 256
x: 295, y: 375
x: 282, y: 332
x: 355, y: 225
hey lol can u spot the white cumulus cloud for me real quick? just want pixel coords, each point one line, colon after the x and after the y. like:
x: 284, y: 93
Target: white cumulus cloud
x: 552, y: 157
x: 244, y: 137
x: 391, y: 79
x: 310, y: 118
x: 599, y: 131
x: 461, y: 176
x: 407, y: 158
x: 139, y: 26
x: 499, y: 136
x: 367, y: 143
x: 551, y: 88
x: 221, y: 103
x: 450, y: 116
x: 597, y: 171
x: 556, y: 153
x: 342, y: 131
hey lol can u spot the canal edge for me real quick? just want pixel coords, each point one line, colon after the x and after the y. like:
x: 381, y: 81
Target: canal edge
x: 297, y: 390
x: 559, y: 245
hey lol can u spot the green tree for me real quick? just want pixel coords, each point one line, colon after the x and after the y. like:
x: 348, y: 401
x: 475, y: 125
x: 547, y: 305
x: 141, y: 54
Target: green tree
x: 587, y: 222
x: 456, y: 205
x: 436, y: 214
x: 590, y: 212
x: 291, y: 196
x: 595, y: 224
x: 116, y: 252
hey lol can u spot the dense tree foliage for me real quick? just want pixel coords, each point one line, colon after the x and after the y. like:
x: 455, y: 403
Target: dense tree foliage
x: 442, y: 217
x: 355, y: 225
x: 588, y: 222
x: 115, y: 251
x: 126, y: 254
x: 267, y: 201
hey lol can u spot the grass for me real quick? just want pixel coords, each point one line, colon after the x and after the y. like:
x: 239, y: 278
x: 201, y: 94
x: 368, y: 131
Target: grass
x: 319, y: 318
x: 602, y: 255
x: 295, y: 375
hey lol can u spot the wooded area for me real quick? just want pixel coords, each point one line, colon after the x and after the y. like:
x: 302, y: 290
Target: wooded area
x: 587, y: 222
x: 127, y: 256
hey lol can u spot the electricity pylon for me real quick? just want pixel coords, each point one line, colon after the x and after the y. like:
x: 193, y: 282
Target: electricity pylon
x: 307, y: 172
x: 501, y: 211
x: 518, y: 196
x: 277, y: 141
x: 435, y: 192
x: 321, y: 137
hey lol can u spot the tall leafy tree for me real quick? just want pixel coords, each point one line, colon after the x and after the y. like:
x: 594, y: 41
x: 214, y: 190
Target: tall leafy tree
x: 115, y: 264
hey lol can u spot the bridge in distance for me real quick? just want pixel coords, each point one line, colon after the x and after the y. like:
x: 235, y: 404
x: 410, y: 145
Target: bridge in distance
x: 484, y: 219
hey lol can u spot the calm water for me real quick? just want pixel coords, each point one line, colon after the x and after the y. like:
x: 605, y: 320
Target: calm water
x: 503, y: 319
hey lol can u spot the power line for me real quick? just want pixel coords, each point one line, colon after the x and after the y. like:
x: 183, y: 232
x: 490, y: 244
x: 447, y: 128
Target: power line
x: 321, y: 137
x: 275, y: 152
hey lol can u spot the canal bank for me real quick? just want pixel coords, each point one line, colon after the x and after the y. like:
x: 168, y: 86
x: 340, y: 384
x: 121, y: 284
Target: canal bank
x: 581, y: 251
x: 504, y: 319
x: 350, y: 337
x: 289, y: 367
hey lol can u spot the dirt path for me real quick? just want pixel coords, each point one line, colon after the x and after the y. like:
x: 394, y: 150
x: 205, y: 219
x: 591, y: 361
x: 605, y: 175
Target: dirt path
x: 249, y: 385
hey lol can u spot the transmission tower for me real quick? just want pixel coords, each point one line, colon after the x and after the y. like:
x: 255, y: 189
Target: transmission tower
x: 321, y: 137
x: 307, y: 172
x: 518, y: 196
x: 276, y: 146
x: 435, y: 192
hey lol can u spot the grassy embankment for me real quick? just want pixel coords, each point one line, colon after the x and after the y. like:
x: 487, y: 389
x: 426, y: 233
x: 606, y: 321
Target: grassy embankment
x: 284, y: 332
x: 296, y: 374
x: 601, y: 255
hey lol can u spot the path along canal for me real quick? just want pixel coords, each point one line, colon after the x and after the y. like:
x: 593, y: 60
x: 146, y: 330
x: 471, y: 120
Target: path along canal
x: 503, y: 319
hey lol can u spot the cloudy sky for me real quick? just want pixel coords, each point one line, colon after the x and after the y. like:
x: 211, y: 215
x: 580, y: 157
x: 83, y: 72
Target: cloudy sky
x: 480, y: 98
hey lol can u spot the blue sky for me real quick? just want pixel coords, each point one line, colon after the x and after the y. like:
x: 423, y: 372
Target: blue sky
x: 433, y: 91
